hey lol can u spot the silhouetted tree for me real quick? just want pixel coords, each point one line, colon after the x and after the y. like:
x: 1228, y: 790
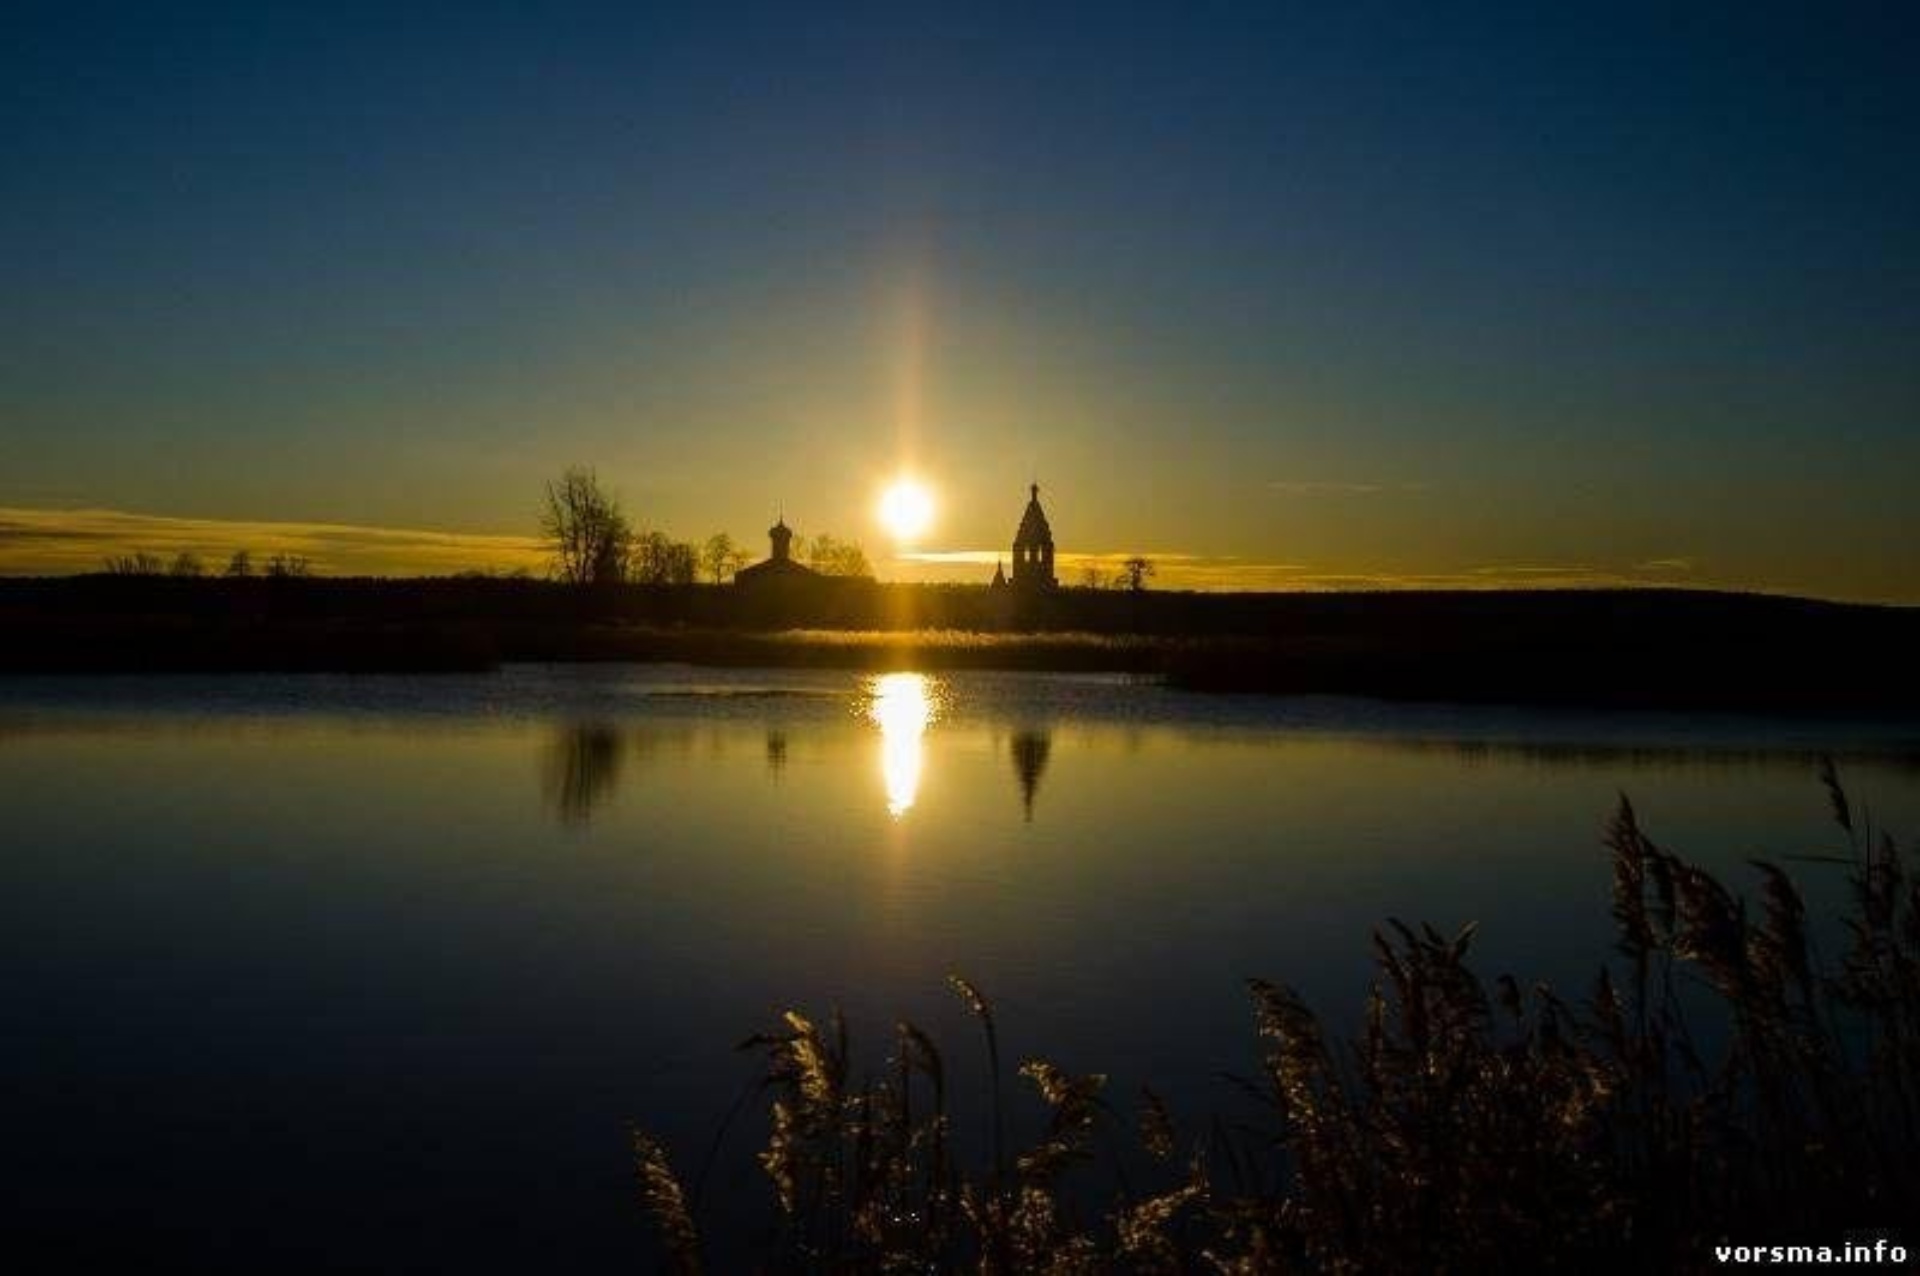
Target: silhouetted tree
x: 1091, y: 577
x: 187, y: 566
x: 832, y: 557
x: 240, y: 565
x: 134, y: 565
x: 289, y: 567
x: 1135, y: 572
x: 612, y: 560
x: 720, y: 558
x: 658, y: 559
x: 591, y: 539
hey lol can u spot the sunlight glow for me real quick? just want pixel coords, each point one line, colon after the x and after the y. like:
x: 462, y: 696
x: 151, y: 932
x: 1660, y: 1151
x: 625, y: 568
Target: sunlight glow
x: 902, y: 705
x: 906, y: 509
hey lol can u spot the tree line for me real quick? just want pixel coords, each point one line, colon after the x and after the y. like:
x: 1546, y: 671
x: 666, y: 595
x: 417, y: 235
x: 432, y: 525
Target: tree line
x: 592, y: 542
x: 1132, y: 575
x: 187, y: 565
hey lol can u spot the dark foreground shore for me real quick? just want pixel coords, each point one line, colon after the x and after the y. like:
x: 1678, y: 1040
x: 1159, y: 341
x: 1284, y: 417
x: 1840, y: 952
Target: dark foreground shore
x: 1628, y: 649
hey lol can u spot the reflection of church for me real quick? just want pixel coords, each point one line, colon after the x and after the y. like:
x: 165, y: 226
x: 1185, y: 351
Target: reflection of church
x: 1030, y: 749
x: 1032, y: 551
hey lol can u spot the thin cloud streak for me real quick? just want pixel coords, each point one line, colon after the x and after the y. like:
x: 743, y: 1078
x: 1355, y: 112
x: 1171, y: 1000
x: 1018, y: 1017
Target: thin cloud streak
x: 989, y: 557
x: 1226, y: 573
x: 41, y: 542
x: 60, y: 542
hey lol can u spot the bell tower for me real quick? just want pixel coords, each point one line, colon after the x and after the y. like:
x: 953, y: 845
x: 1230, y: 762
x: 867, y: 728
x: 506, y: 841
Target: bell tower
x: 1033, y: 547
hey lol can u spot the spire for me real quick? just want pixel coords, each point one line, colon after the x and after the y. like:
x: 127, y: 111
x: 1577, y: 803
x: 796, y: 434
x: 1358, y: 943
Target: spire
x: 1033, y: 546
x: 1033, y: 524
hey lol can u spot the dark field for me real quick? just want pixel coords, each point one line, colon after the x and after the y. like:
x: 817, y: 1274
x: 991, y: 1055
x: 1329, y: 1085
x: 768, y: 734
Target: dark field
x: 1598, y: 648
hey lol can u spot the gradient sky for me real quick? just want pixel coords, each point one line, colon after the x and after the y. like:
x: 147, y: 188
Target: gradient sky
x: 1282, y: 295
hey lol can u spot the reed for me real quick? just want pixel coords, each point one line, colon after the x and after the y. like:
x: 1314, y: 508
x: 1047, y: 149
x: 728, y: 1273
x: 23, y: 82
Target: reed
x: 1466, y: 1127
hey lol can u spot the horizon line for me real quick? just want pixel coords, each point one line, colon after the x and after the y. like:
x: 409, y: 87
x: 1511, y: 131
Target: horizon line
x: 76, y: 540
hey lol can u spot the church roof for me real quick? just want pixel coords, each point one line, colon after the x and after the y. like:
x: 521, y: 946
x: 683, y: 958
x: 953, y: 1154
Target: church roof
x: 775, y: 569
x: 1033, y: 523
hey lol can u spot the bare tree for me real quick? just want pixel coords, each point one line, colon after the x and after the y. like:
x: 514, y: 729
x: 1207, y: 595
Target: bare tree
x: 134, y: 565
x: 1135, y: 572
x: 289, y: 567
x: 1091, y: 577
x: 612, y: 559
x: 590, y: 537
x: 683, y: 564
x: 187, y: 566
x: 833, y: 557
x: 721, y: 558
x: 240, y: 565
x: 658, y: 559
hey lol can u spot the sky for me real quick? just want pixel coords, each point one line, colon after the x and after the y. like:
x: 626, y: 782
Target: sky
x: 1282, y: 296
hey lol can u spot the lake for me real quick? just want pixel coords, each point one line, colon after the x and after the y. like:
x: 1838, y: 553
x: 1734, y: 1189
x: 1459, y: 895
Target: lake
x: 377, y: 973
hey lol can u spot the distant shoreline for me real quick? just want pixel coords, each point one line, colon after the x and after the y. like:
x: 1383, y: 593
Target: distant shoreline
x: 1664, y: 649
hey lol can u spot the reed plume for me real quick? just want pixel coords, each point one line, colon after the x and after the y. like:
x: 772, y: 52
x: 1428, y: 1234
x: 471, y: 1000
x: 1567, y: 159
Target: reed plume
x: 1468, y: 1126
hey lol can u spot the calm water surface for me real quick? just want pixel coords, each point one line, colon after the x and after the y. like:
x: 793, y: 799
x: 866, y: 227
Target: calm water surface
x: 373, y: 974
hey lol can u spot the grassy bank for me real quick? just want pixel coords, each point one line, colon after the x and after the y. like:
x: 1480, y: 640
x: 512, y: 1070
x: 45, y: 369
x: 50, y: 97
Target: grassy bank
x: 924, y: 649
x: 1471, y: 1126
x: 1607, y: 649
x: 163, y: 645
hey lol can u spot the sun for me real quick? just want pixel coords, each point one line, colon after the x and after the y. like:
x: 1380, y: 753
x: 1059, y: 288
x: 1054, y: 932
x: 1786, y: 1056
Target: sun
x: 906, y: 508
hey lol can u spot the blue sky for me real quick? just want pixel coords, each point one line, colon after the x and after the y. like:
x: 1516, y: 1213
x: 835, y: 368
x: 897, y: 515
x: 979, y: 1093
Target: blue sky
x: 1367, y: 291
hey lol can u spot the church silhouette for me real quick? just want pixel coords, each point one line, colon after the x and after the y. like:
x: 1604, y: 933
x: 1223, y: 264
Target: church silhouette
x: 1033, y: 570
x: 779, y: 566
x: 1032, y: 551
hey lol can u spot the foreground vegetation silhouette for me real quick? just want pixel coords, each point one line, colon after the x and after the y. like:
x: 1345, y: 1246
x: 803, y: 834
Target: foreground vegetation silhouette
x: 1466, y: 1128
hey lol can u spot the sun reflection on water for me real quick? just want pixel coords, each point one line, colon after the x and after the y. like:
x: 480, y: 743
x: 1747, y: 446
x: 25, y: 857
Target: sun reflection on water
x: 903, y: 706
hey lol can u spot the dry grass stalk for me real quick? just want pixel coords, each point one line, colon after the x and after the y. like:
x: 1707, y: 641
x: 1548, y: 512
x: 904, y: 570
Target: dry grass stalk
x: 1462, y: 1130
